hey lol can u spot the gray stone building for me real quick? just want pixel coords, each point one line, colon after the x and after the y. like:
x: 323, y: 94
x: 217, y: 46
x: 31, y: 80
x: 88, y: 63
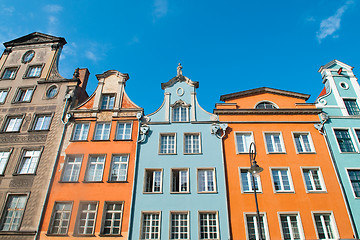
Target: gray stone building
x: 34, y: 99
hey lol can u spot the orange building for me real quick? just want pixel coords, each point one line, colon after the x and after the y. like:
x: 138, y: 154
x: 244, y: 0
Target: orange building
x: 92, y: 188
x: 299, y: 194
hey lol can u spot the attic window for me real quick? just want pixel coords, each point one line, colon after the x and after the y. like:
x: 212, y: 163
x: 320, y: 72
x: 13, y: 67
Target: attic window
x: 265, y: 105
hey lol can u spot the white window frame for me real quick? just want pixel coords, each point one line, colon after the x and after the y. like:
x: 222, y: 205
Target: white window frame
x: 4, y: 160
x: 266, y: 101
x: 352, y: 99
x: 26, y: 98
x: 298, y: 218
x: 103, y: 137
x: 266, y: 227
x: 77, y: 224
x: 123, y: 134
x: 43, y: 123
x: 83, y: 135
x: 3, y: 92
x: 37, y: 72
x: 34, y: 161
x: 121, y: 163
x: 321, y: 179
x: 311, y: 143
x: 352, y: 137
x: 205, y: 180
x: 187, y: 180
x: 273, y: 142
x: 107, y: 107
x: 71, y: 167
x: 292, y: 190
x: 332, y: 220
x: 18, y: 122
x: 151, y: 224
x: 167, y: 143
x: 13, y: 75
x: 217, y: 224
x: 347, y: 173
x: 105, y: 211
x: 180, y: 106
x: 179, y: 226
x: 192, y: 143
x: 52, y: 219
x: 249, y: 179
x: 6, y: 209
x: 153, y: 170
x: 93, y: 178
x: 236, y: 141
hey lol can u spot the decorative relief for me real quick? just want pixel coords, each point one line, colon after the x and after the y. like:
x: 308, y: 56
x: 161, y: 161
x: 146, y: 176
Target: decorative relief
x: 16, y: 139
x: 323, y: 102
x: 21, y: 183
x: 104, y: 116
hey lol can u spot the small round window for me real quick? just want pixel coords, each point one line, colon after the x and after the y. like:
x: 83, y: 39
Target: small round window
x: 344, y: 85
x: 28, y: 56
x: 51, y: 92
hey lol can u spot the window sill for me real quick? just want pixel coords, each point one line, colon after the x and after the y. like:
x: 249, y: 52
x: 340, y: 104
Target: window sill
x: 83, y: 235
x: 248, y: 192
x: 21, y: 102
x: 117, y: 181
x: 68, y: 182
x: 11, y: 132
x: 24, y: 174
x: 78, y: 141
x: 306, y: 152
x: 284, y: 192
x: 92, y: 181
x: 180, y: 192
x: 207, y: 192
x: 319, y: 191
x: 276, y: 152
x: 242, y: 153
x: 7, y: 78
x: 152, y: 192
x: 123, y: 140
x: 110, y: 235
x: 31, y: 77
x: 349, y: 152
x: 56, y: 235
x: 167, y: 153
x: 99, y: 140
x: 43, y: 130
x: 17, y: 232
x: 200, y: 153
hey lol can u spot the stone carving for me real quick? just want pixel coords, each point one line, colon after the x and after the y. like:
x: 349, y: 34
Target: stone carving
x: 21, y: 183
x: 179, y: 70
x: 21, y: 139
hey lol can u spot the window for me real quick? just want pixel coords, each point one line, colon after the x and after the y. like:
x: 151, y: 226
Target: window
x: 81, y: 131
x: 150, y: 228
x: 313, y: 180
x: 180, y: 114
x: 290, y: 226
x: 357, y: 131
x: 86, y: 218
x: 71, y: 169
x: 344, y: 140
x: 3, y: 94
x: 29, y: 162
x: 179, y: 225
x: 206, y: 180
x: 325, y: 226
x: 246, y: 181
x: 24, y: 95
x: 60, y: 219
x: 102, y: 131
x: 274, y: 143
x: 281, y: 179
x: 167, y: 143
x: 253, y: 231
x: 13, y: 213
x: 243, y: 141
x: 107, y: 102
x: 153, y: 180
x: 123, y: 131
x: 42, y: 122
x: 52, y: 92
x: 180, y: 180
x: 352, y: 106
x: 209, y: 226
x: 192, y: 143
x: 112, y: 218
x: 4, y: 157
x: 9, y: 73
x: 303, y: 142
x: 354, y: 176
x: 265, y: 105
x: 13, y: 124
x: 95, y: 169
x: 119, y: 166
x: 34, y: 71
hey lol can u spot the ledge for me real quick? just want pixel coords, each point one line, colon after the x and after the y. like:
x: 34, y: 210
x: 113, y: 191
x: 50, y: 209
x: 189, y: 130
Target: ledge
x: 285, y: 111
x: 19, y: 233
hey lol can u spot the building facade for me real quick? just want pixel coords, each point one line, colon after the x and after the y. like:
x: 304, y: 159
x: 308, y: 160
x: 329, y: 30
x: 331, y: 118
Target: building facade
x: 299, y: 194
x: 180, y: 190
x: 340, y: 101
x: 33, y: 98
x: 93, y: 184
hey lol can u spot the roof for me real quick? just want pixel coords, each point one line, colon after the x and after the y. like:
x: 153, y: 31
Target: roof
x: 35, y: 38
x: 335, y: 62
x: 262, y: 90
x: 179, y: 78
x: 323, y: 92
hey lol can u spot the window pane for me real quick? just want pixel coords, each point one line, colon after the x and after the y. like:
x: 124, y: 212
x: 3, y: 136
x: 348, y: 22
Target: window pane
x: 95, y: 168
x: 72, y: 169
x: 112, y: 218
x: 167, y: 144
x: 4, y: 157
x: 9, y: 73
x: 352, y: 106
x: 243, y: 141
x: 246, y: 181
x: 123, y: 131
x: 344, y: 140
x: 206, y: 180
x: 150, y: 226
x: 60, y: 218
x: 179, y: 226
x: 354, y: 176
x: 153, y: 180
x: 119, y: 167
x: 102, y: 131
x: 29, y: 162
x: 13, y: 124
x: 252, y: 227
x: 86, y: 218
x: 273, y: 142
x: 192, y: 143
x: 281, y: 179
x: 324, y: 226
x: 42, y: 122
x: 13, y: 213
x: 180, y: 114
x: 107, y: 102
x: 208, y: 226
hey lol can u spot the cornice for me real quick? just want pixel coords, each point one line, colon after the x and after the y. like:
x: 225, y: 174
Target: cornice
x: 179, y: 78
x: 35, y: 38
x: 303, y: 111
x: 112, y: 72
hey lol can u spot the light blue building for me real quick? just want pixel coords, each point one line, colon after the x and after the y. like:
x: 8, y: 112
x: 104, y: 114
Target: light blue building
x: 179, y: 187
x: 340, y: 101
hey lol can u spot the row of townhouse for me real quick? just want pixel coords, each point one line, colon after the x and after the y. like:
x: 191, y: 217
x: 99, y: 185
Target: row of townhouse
x: 74, y: 166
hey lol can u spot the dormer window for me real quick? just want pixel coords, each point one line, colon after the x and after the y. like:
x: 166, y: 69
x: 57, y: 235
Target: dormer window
x: 107, y: 101
x: 180, y: 112
x: 265, y: 105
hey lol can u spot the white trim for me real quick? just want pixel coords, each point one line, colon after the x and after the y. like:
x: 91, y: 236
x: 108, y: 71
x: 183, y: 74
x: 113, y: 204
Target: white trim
x: 175, y: 142
x: 332, y: 222
x: 142, y: 222
x: 347, y: 173
x: 171, y: 180
x: 258, y: 179
x: 188, y: 221
x: 310, y: 142
x: 152, y: 186
x: 321, y: 178
x: 281, y: 142
x: 351, y: 136
x: 266, y: 226
x: 298, y: 218
x: 214, y: 178
x: 217, y: 224
x: 275, y: 105
x: 244, y: 133
x: 292, y: 190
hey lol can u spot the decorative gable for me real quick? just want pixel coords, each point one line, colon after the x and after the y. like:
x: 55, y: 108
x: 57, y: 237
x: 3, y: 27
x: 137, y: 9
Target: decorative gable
x: 35, y: 38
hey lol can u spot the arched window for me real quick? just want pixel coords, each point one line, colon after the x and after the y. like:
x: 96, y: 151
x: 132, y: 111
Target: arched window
x: 180, y: 112
x: 265, y: 105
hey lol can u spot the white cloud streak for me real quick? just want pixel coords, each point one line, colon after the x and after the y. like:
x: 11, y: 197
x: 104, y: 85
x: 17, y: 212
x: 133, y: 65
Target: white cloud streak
x: 160, y: 8
x: 90, y: 55
x: 331, y: 24
x: 53, y: 8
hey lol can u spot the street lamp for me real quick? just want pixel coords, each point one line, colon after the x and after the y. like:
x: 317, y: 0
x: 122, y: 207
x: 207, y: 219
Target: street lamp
x: 255, y: 171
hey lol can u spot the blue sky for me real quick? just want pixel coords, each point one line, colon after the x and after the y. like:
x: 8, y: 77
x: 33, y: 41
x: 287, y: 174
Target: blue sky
x: 227, y: 46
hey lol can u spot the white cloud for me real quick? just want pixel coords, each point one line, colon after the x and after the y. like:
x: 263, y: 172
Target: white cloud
x: 160, y: 8
x: 310, y: 19
x: 53, y: 8
x: 90, y: 55
x: 7, y: 10
x: 134, y: 40
x: 331, y: 24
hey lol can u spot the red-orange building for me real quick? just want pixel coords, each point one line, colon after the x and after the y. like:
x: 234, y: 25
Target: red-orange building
x: 92, y: 186
x: 299, y: 194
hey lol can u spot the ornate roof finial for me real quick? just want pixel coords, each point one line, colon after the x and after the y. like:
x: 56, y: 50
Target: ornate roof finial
x: 179, y: 70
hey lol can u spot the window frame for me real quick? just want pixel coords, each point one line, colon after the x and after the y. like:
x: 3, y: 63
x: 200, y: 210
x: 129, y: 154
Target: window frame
x: 352, y: 100
x: 66, y: 163
x: 77, y: 223
x: 4, y: 208
x: 258, y: 179
x: 7, y: 94
x: 107, y: 107
x: 353, y: 141
x: 180, y: 105
x: 332, y: 220
x: 88, y: 163
x: 281, y: 142
x: 117, y: 127
x: 217, y: 224
x: 6, y: 123
x: 292, y: 189
x: 266, y: 226
x: 74, y: 129
x: 52, y: 218
x: 214, y: 179
x: 236, y: 142
x: 266, y: 101
x: 184, y: 141
x: 20, y: 161
x: 15, y: 98
x: 145, y: 178
x: 36, y: 117
x: 175, y: 143
x: 348, y: 176
x: 321, y: 179
x: 172, y: 182
x: 95, y: 129
x: 142, y: 223
x: 9, y: 150
x: 298, y: 220
x: 170, y: 222
x: 16, y: 68
x: 311, y: 143
x: 29, y: 67
x: 111, y: 164
x: 104, y: 218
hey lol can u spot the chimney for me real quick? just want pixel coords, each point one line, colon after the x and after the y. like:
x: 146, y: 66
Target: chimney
x: 83, y: 76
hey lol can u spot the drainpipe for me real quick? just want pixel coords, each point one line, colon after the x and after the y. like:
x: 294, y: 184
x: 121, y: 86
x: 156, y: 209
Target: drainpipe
x: 65, y: 123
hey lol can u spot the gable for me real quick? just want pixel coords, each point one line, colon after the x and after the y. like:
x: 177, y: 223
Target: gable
x: 35, y: 38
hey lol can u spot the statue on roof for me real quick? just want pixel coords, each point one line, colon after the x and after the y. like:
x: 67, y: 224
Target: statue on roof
x: 179, y: 70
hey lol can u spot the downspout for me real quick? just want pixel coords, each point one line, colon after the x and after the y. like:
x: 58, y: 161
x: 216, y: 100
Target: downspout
x: 66, y: 117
